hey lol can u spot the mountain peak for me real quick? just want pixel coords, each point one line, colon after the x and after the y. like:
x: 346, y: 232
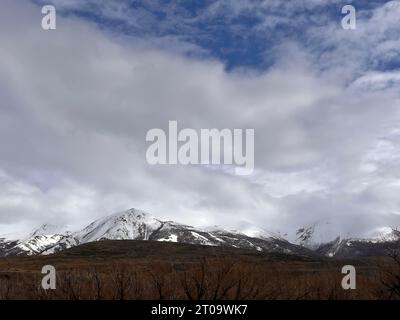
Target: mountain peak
x: 49, y: 229
x: 128, y: 224
x: 130, y: 213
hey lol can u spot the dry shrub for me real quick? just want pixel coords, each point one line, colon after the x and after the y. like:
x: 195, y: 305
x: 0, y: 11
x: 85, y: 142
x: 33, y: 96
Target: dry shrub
x: 211, y: 278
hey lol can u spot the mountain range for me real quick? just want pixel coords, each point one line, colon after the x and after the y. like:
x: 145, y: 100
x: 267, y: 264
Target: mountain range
x: 137, y: 225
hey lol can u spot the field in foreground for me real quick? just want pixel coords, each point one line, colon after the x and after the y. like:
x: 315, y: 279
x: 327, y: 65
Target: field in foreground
x: 128, y: 269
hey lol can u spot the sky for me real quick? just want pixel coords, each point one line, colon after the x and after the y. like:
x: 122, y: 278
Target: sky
x: 76, y: 103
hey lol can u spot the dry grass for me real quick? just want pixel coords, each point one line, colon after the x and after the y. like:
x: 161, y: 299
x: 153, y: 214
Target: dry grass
x: 136, y: 270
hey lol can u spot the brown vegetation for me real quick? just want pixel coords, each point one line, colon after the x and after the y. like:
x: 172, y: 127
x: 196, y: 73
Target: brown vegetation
x: 144, y: 270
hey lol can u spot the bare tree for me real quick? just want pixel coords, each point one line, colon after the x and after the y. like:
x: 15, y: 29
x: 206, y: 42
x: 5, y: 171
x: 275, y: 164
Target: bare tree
x: 122, y: 281
x: 71, y: 282
x: 96, y: 283
x: 194, y: 285
x: 222, y: 279
x: 5, y: 287
x: 390, y: 279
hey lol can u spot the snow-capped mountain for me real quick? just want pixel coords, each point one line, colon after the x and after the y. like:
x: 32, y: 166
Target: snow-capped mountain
x: 341, y: 246
x: 137, y: 225
x: 351, y: 247
x: 41, y: 239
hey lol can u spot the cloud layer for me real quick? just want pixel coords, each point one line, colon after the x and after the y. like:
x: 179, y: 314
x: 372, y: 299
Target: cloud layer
x: 76, y: 104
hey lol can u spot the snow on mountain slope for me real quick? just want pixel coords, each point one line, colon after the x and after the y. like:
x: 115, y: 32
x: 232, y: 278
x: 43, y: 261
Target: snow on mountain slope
x: 131, y: 224
x: 375, y: 243
x: 387, y: 235
x: 313, y: 235
x: 137, y: 225
x: 249, y: 231
x: 351, y: 247
x: 38, y: 241
x: 38, y: 244
x: 50, y: 229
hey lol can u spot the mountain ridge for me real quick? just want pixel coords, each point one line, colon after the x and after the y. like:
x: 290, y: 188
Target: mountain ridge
x: 134, y: 224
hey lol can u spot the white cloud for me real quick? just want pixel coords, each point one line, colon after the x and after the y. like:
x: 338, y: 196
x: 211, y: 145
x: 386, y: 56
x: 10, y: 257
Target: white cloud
x: 78, y: 102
